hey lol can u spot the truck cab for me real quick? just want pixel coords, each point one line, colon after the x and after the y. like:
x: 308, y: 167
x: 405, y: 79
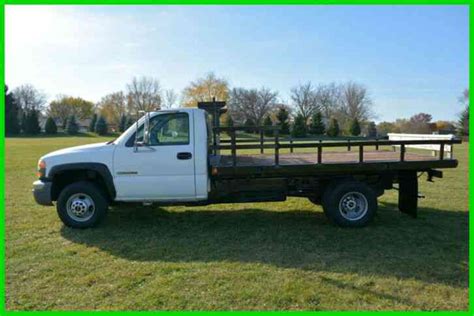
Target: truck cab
x: 165, y: 161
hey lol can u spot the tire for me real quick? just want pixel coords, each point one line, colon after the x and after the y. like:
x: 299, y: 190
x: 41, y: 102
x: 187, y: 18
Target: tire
x: 81, y: 205
x: 349, y: 203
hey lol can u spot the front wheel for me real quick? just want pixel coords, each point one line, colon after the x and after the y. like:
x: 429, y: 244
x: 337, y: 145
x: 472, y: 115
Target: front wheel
x: 81, y: 205
x: 350, y: 203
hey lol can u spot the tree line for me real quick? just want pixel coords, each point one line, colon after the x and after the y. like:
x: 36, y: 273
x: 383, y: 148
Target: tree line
x: 325, y: 109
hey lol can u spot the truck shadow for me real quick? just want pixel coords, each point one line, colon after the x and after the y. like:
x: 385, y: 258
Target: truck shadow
x: 394, y: 245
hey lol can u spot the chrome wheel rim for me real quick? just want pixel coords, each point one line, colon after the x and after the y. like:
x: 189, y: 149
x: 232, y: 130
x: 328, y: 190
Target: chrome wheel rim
x: 353, y: 206
x: 80, y: 207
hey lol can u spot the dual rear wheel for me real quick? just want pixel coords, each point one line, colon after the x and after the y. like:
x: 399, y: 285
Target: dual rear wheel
x: 349, y: 203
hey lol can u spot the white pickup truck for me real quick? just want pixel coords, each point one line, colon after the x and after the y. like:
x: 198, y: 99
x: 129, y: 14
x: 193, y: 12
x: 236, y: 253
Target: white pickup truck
x: 175, y: 159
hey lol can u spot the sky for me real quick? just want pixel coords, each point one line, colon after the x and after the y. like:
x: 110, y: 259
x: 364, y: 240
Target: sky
x: 411, y: 58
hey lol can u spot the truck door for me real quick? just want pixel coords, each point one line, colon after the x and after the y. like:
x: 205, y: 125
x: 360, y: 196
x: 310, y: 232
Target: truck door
x: 163, y: 169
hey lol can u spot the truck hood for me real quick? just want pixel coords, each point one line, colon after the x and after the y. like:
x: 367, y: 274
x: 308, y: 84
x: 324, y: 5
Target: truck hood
x: 90, y: 148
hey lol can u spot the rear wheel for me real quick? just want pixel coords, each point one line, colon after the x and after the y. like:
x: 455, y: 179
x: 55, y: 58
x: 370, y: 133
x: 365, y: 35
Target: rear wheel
x: 81, y: 205
x: 350, y: 203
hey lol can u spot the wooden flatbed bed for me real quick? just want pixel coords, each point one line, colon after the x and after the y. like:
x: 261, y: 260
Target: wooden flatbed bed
x: 345, y: 176
x: 365, y: 156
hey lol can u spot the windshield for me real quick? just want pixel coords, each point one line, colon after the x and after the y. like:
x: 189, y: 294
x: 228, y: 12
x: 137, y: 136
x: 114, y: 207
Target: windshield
x: 130, y: 130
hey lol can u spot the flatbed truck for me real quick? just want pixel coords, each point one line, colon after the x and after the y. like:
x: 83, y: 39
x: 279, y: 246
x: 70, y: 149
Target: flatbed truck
x: 178, y: 156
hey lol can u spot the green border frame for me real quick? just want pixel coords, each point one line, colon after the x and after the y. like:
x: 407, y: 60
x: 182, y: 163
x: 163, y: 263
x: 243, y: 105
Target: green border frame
x: 3, y: 311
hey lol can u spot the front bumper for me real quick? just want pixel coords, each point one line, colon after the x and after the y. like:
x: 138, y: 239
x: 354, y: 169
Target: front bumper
x: 42, y: 192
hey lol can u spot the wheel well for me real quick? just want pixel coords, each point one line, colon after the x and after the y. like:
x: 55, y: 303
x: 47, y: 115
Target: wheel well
x: 66, y: 177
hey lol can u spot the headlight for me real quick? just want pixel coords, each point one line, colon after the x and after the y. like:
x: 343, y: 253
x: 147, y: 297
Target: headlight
x: 41, y: 169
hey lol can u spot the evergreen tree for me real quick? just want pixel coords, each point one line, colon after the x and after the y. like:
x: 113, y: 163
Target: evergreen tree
x: 299, y: 127
x: 282, y: 121
x: 12, y: 124
x: 333, y: 128
x: 354, y: 129
x: 317, y: 126
x: 72, y: 127
x: 101, y: 126
x: 372, y: 130
x: 123, y: 123
x: 130, y: 122
x: 463, y: 122
x: 32, y: 126
x: 93, y: 122
x: 267, y: 122
x: 24, y: 122
x: 50, y: 126
x: 249, y: 123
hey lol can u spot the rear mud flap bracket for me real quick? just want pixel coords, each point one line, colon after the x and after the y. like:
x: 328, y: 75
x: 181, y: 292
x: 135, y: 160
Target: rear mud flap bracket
x: 408, y: 193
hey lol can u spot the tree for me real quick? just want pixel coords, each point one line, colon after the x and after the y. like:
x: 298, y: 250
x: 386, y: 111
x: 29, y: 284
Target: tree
x: 206, y: 89
x: 249, y: 123
x: 304, y: 99
x: 356, y: 103
x: 144, y: 94
x: 29, y: 98
x: 372, y: 130
x: 317, y: 126
x: 130, y: 122
x: 32, y: 123
x: 92, y: 123
x: 299, y: 126
x: 251, y: 104
x: 282, y: 117
x: 463, y: 119
x: 50, y: 126
x: 170, y: 99
x: 112, y: 107
x: 72, y: 127
x: 384, y: 128
x: 463, y: 122
x: 267, y: 122
x: 123, y: 123
x: 24, y: 122
x: 12, y: 124
x: 329, y: 100
x: 101, y: 127
x: 333, y: 128
x: 420, y: 124
x: 228, y: 121
x: 66, y: 106
x: 354, y: 129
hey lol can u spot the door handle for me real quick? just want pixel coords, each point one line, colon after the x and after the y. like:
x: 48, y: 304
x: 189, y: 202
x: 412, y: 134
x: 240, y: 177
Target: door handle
x: 184, y: 156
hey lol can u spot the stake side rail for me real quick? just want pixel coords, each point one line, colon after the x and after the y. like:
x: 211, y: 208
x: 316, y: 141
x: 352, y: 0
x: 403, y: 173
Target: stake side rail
x: 277, y: 144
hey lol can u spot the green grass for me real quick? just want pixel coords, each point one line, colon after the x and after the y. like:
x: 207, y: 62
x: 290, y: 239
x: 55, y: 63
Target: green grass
x: 265, y: 256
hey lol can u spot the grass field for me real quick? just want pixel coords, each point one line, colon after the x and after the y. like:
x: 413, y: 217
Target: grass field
x: 267, y: 256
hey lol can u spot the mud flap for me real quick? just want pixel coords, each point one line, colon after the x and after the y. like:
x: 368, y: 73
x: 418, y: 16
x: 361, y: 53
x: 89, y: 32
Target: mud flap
x: 408, y: 193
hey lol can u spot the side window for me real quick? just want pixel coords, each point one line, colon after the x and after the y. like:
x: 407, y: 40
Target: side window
x: 170, y: 129
x: 166, y: 129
